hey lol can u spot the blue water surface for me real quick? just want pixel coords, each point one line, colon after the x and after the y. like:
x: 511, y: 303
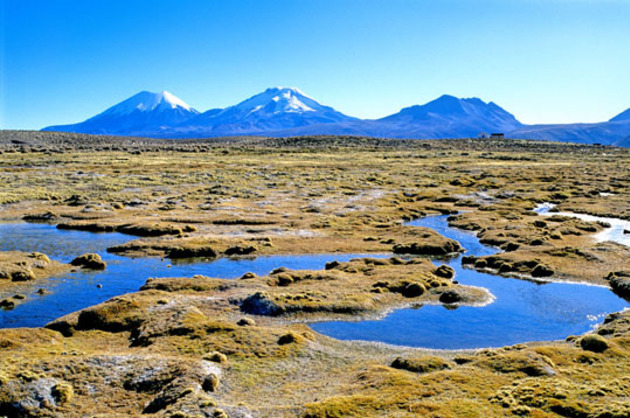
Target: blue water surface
x: 74, y: 291
x: 522, y: 311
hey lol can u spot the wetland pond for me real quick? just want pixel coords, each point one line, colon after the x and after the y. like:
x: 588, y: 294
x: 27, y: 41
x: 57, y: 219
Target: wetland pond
x: 522, y: 310
x: 78, y: 290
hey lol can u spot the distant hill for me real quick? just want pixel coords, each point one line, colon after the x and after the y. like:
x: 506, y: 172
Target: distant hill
x: 622, y: 117
x: 613, y: 132
x: 450, y: 117
x: 625, y: 142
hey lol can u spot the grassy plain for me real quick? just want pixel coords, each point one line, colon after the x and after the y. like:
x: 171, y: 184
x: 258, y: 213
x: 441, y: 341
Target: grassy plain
x: 210, y: 347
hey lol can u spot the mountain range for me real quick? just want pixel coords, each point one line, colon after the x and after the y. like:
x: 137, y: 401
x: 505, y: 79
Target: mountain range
x: 284, y: 111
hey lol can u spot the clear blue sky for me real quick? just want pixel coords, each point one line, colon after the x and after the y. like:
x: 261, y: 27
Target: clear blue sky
x: 63, y: 61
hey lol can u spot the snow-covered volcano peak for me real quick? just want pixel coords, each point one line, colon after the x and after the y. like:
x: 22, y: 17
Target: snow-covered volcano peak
x: 280, y: 100
x: 147, y: 101
x: 143, y: 113
x: 275, y: 109
x: 288, y: 91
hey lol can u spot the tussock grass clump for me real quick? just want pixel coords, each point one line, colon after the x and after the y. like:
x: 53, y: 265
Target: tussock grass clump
x: 211, y: 383
x: 424, y: 364
x: 246, y: 322
x: 248, y: 275
x: 445, y: 271
x: 450, y: 296
x: 63, y: 393
x: 527, y: 362
x: 24, y: 275
x: 216, y: 357
x: 7, y: 304
x: 89, y: 260
x: 593, y: 342
x: 115, y: 316
x: 620, y: 282
x: 409, y: 289
x: 284, y: 279
x: 503, y: 264
x: 260, y: 303
x: 290, y: 338
x: 219, y: 413
x: 541, y: 270
x: 191, y: 252
x: 427, y: 248
x: 240, y: 250
x: 196, y: 283
x: 40, y: 256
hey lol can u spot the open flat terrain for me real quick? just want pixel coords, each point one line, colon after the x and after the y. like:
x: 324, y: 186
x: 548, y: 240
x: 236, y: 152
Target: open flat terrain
x: 202, y: 346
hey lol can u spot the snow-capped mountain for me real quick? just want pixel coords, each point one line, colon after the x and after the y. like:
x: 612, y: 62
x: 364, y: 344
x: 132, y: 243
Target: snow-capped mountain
x: 145, y: 113
x: 275, y: 109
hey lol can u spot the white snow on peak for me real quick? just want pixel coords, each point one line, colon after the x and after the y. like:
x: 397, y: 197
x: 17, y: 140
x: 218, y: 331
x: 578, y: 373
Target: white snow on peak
x: 293, y: 89
x: 295, y: 105
x: 278, y: 100
x: 174, y: 101
x: 147, y: 101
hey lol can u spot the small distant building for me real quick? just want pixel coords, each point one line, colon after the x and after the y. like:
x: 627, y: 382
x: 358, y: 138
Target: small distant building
x: 497, y: 136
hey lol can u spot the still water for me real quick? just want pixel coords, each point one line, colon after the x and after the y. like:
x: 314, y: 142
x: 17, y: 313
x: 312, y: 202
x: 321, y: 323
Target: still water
x: 522, y: 311
x: 75, y: 291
